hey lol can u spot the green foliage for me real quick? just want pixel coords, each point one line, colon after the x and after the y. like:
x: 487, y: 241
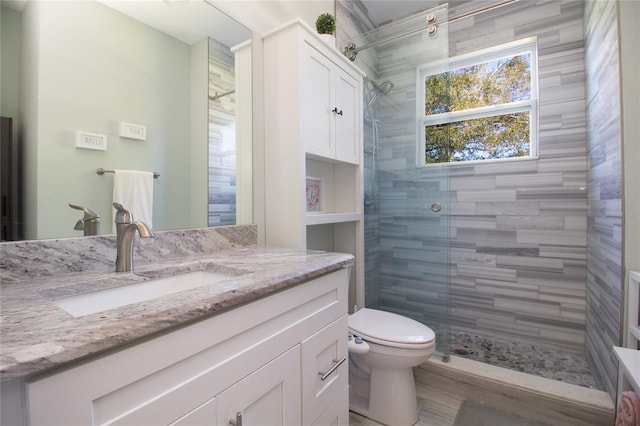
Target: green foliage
x: 326, y: 24
x: 492, y: 83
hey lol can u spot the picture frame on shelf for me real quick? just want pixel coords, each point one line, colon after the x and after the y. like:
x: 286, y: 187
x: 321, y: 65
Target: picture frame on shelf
x: 314, y: 195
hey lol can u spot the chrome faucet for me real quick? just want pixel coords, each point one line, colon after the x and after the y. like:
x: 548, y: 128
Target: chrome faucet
x: 126, y: 229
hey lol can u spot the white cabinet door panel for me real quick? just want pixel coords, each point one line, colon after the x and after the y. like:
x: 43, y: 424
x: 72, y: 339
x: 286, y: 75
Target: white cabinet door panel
x: 347, y: 101
x: 268, y: 397
x: 317, y: 103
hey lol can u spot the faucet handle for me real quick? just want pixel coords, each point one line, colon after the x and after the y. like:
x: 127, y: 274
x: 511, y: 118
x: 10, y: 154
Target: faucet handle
x: 88, y: 213
x: 123, y: 215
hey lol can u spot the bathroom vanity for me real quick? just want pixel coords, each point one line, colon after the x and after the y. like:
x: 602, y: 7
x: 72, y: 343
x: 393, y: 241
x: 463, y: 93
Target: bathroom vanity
x: 266, y: 344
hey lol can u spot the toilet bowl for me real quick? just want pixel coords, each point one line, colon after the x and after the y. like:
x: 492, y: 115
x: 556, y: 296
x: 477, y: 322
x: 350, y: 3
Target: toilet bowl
x: 383, y: 349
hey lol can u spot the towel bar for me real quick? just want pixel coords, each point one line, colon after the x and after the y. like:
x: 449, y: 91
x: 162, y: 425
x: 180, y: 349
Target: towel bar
x: 102, y: 171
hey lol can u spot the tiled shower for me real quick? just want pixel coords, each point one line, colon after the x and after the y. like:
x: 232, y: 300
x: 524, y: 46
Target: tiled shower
x: 524, y: 252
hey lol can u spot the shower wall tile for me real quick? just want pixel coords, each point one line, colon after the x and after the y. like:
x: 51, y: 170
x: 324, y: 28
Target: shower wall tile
x: 468, y: 183
x: 552, y: 237
x: 508, y: 209
x: 495, y: 195
x: 604, y: 257
x: 222, y: 153
x: 503, y: 168
x: 530, y: 222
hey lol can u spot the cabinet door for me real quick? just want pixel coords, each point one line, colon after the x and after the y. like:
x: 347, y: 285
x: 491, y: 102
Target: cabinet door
x: 268, y: 396
x: 324, y: 368
x: 337, y: 413
x: 317, y: 103
x: 347, y: 135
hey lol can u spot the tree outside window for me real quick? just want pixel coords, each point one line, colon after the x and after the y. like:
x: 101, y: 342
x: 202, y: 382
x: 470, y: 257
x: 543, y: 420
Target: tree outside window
x: 482, y: 107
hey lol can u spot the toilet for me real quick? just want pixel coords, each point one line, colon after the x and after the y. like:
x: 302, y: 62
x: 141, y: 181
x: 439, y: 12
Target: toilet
x: 383, y: 349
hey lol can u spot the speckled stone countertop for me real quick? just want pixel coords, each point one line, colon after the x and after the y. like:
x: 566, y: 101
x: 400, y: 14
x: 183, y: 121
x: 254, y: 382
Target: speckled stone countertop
x: 37, y: 336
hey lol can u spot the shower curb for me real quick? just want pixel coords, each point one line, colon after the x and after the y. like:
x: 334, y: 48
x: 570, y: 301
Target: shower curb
x: 538, y: 398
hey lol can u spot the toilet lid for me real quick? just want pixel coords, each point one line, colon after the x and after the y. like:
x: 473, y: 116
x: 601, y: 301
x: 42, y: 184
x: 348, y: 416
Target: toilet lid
x: 390, y: 329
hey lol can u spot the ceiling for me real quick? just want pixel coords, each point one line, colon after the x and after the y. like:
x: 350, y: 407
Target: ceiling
x: 383, y: 11
x: 169, y: 17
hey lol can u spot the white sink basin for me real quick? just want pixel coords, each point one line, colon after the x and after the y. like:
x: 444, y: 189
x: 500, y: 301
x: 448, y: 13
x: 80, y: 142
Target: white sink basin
x: 98, y: 301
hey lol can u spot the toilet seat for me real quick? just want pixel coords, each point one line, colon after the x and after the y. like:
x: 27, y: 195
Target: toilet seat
x: 389, y: 329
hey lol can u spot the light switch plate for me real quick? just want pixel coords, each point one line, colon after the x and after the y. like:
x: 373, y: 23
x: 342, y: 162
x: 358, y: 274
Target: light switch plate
x: 133, y: 131
x: 90, y: 140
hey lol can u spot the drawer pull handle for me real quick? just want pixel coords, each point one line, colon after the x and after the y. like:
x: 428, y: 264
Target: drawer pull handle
x: 336, y: 364
x: 238, y: 420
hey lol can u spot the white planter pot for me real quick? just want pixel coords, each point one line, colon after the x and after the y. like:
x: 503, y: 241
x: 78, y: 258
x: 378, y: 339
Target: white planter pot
x: 330, y: 39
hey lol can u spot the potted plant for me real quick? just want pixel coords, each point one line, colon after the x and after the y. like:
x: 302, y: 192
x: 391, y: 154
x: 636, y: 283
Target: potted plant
x: 326, y: 27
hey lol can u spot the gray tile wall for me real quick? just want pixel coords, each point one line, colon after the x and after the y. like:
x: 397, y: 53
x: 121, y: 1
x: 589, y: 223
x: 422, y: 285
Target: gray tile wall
x: 604, y: 222
x: 517, y: 229
x: 222, y: 142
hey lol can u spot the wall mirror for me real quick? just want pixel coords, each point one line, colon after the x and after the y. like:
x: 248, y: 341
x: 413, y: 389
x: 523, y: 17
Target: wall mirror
x: 165, y: 85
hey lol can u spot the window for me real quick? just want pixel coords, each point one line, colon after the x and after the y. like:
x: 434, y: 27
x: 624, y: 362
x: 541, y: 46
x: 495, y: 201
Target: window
x: 480, y: 106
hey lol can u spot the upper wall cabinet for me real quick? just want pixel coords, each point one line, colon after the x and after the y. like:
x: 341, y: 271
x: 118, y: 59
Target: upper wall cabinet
x: 313, y: 87
x: 329, y: 114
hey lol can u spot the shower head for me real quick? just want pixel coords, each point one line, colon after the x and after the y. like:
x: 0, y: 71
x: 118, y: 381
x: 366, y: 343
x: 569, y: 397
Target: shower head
x: 385, y: 87
x: 379, y: 90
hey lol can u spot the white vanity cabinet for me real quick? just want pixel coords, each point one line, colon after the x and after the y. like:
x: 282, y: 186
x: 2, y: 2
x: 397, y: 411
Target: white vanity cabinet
x: 313, y: 146
x: 257, y: 364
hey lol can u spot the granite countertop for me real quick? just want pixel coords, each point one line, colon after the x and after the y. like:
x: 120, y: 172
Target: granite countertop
x: 37, y: 336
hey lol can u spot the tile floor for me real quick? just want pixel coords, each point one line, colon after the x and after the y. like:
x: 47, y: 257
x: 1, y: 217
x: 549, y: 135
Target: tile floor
x: 436, y: 409
x: 448, y: 415
x: 439, y: 408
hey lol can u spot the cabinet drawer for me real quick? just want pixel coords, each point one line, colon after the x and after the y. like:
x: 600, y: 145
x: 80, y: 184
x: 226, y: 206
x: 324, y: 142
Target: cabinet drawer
x: 204, y: 415
x: 324, y: 368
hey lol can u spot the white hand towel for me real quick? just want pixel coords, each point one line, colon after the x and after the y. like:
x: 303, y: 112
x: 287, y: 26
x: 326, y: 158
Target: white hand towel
x: 134, y: 190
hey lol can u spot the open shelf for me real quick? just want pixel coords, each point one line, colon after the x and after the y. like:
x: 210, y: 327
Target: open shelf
x: 339, y: 183
x: 326, y: 218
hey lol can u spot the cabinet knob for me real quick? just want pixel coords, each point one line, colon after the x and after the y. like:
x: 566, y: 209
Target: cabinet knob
x: 237, y: 421
x: 339, y: 112
x: 336, y: 364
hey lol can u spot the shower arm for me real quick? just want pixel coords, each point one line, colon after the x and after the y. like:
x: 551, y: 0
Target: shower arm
x: 351, y: 50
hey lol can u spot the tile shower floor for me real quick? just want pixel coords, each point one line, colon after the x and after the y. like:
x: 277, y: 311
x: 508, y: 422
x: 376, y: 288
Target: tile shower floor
x: 566, y: 367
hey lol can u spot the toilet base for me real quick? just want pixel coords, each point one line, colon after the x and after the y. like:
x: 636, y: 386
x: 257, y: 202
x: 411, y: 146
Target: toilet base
x: 393, y: 400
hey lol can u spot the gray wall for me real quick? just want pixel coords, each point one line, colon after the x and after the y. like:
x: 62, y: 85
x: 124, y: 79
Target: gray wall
x: 604, y: 234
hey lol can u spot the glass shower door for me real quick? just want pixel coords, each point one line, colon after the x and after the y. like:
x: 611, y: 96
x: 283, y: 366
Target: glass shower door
x: 406, y: 203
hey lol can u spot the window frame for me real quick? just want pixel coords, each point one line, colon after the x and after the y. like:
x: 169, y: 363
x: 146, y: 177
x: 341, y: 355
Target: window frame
x: 528, y: 45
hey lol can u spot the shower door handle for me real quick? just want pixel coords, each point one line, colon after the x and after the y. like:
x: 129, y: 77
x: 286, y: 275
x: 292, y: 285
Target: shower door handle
x: 436, y: 207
